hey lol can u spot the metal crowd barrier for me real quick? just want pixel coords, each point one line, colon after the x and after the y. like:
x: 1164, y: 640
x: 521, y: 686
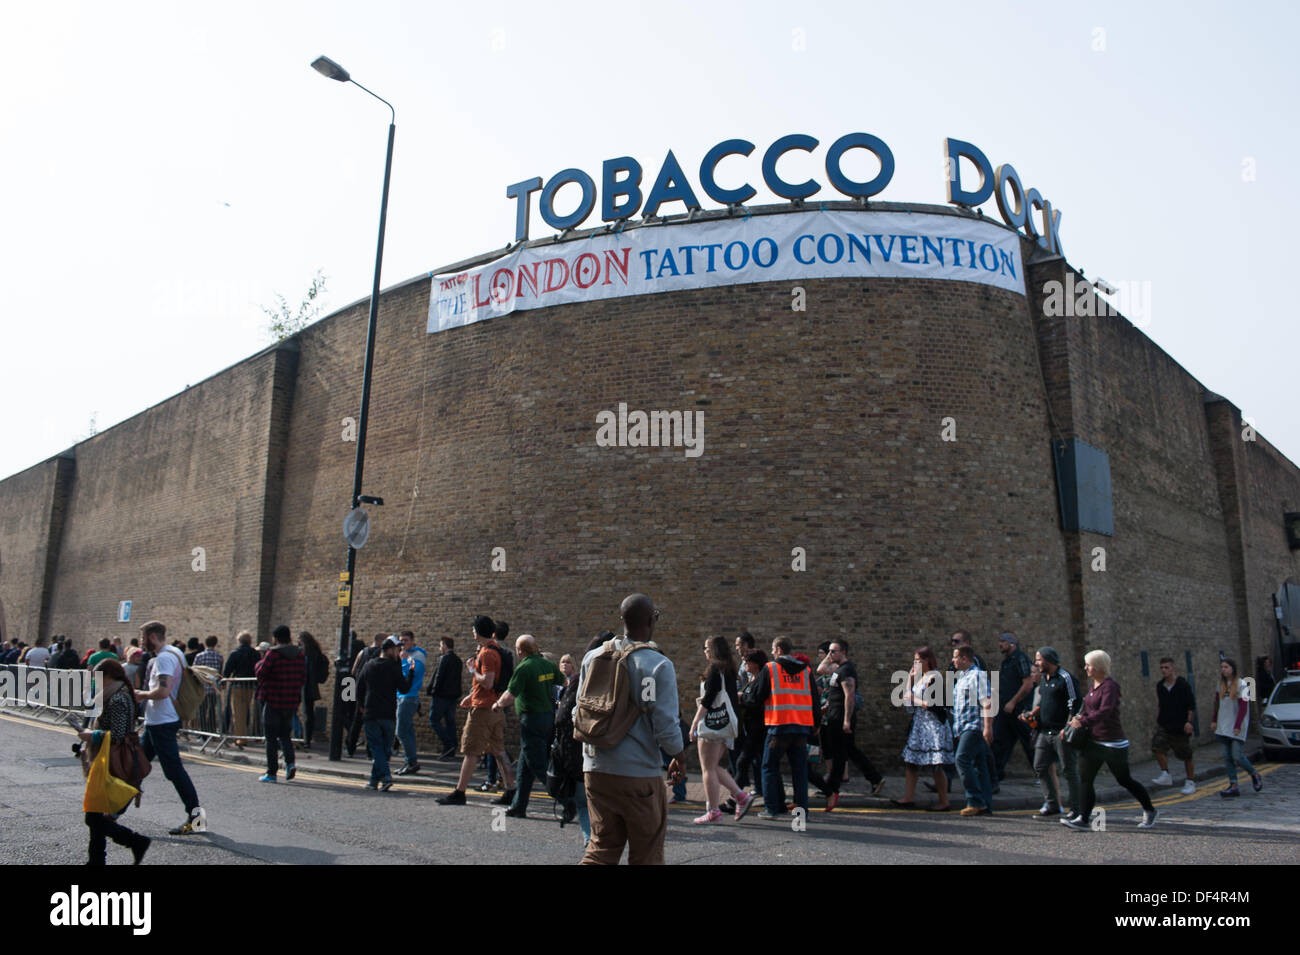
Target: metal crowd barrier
x: 229, y: 714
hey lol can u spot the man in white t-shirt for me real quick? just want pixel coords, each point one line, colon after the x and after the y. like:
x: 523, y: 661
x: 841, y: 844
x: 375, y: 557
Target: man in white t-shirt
x: 38, y: 656
x: 161, y: 724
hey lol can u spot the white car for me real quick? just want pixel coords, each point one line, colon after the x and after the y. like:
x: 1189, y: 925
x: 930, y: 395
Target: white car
x: 1279, y: 727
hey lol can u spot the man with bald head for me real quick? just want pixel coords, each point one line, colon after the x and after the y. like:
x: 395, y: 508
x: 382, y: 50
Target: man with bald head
x: 624, y: 782
x: 531, y: 689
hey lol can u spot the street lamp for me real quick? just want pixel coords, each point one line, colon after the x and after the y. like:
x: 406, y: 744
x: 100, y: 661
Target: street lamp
x: 327, y: 67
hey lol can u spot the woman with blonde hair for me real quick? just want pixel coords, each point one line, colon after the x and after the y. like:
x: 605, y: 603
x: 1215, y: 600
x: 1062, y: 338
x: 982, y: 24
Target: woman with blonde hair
x: 1231, y: 720
x: 1107, y: 745
x: 714, y: 729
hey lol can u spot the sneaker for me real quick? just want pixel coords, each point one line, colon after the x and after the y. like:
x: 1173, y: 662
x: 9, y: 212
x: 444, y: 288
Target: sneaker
x: 1257, y: 781
x: 743, y: 804
x: 290, y: 772
x: 516, y: 813
x: 410, y: 769
x: 976, y: 811
x: 505, y: 799
x: 1189, y: 787
x: 772, y: 816
x: 1230, y: 792
x: 486, y: 787
x: 1148, y: 818
x: 877, y: 787
x: 266, y: 778
x: 832, y: 801
x: 372, y: 785
x: 713, y: 815
x: 1164, y: 779
x: 386, y: 785
x: 1048, y: 811
x: 1077, y: 824
x: 197, y: 822
x: 453, y: 798
x: 448, y: 754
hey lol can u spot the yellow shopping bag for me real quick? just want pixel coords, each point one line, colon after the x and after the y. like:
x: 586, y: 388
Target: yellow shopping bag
x: 105, y: 792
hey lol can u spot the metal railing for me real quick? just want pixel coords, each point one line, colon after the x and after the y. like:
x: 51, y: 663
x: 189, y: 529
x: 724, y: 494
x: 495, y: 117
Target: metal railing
x: 229, y: 714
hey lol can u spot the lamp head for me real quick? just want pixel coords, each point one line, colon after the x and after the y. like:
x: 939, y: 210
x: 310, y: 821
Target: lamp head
x: 327, y: 67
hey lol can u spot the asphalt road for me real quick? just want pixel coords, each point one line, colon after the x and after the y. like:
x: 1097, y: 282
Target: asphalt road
x: 322, y: 819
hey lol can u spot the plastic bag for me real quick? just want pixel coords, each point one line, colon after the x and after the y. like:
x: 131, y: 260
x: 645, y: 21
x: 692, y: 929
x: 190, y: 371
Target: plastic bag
x: 104, y: 791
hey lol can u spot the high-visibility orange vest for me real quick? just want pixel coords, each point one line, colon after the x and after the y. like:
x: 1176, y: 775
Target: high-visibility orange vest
x: 791, y: 701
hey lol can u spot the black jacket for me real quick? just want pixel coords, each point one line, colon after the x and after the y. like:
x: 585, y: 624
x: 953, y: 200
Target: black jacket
x: 241, y: 662
x: 377, y: 688
x: 445, y: 684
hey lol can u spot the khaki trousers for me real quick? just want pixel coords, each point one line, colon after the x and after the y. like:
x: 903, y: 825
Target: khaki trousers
x: 241, y: 699
x: 626, y: 810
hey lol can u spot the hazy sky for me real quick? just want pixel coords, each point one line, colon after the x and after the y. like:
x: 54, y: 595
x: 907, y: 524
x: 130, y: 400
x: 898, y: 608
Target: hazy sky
x: 167, y: 168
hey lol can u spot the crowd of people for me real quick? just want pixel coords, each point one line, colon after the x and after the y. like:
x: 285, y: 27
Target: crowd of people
x: 599, y: 732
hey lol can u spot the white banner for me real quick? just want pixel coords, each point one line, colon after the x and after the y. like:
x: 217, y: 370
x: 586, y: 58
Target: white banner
x: 770, y: 248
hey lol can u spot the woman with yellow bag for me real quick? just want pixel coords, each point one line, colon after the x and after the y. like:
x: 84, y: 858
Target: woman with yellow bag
x: 107, y: 797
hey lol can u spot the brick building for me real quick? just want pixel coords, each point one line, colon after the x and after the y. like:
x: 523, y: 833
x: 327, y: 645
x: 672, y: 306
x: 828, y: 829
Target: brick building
x: 825, y: 431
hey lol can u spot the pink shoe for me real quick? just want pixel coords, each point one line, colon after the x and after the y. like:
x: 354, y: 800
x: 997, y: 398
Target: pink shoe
x: 743, y: 804
x: 713, y: 815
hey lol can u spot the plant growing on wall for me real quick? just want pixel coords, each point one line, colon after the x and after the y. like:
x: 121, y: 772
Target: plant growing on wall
x: 285, y: 323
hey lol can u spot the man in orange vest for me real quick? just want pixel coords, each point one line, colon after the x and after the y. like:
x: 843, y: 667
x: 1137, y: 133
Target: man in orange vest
x: 788, y: 693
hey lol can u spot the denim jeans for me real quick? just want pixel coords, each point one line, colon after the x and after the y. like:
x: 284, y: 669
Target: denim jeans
x: 972, y: 763
x: 1234, y: 757
x: 584, y: 817
x: 379, y: 737
x: 406, y: 709
x: 277, y: 724
x: 442, y: 718
x: 160, y: 739
x: 795, y: 748
x: 535, y: 732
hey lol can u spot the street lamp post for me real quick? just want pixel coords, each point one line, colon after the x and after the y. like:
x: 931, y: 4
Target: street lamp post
x: 327, y: 67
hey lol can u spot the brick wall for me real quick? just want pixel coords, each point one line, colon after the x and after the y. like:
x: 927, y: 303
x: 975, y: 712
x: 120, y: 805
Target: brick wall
x: 823, y: 431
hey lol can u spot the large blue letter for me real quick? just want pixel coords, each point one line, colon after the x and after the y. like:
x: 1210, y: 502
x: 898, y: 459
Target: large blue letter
x: 957, y: 149
x: 730, y: 147
x: 859, y: 141
x: 774, y: 152
x: 521, y: 191
x: 610, y: 188
x: 670, y: 186
x: 561, y: 178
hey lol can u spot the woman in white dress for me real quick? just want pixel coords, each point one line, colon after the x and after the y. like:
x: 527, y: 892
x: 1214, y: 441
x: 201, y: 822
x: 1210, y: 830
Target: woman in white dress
x: 929, y: 743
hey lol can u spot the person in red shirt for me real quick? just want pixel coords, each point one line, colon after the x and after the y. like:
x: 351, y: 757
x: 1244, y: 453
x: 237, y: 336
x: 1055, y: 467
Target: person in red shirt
x: 484, y: 727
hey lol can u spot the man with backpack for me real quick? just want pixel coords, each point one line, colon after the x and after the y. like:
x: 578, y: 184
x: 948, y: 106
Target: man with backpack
x: 484, y: 731
x: 627, y: 710
x: 162, y: 723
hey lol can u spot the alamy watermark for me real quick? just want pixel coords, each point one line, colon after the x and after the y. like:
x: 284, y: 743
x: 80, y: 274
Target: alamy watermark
x: 1099, y: 299
x: 72, y: 690
x: 651, y: 429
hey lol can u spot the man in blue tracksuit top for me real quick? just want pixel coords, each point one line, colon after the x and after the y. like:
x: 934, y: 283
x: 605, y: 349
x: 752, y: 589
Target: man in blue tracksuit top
x: 408, y: 703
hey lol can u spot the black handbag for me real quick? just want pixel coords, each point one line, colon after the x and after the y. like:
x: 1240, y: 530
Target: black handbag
x: 1076, y: 736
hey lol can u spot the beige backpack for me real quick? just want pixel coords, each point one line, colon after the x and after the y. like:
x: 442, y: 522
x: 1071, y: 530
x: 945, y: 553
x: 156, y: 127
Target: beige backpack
x: 608, y: 701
